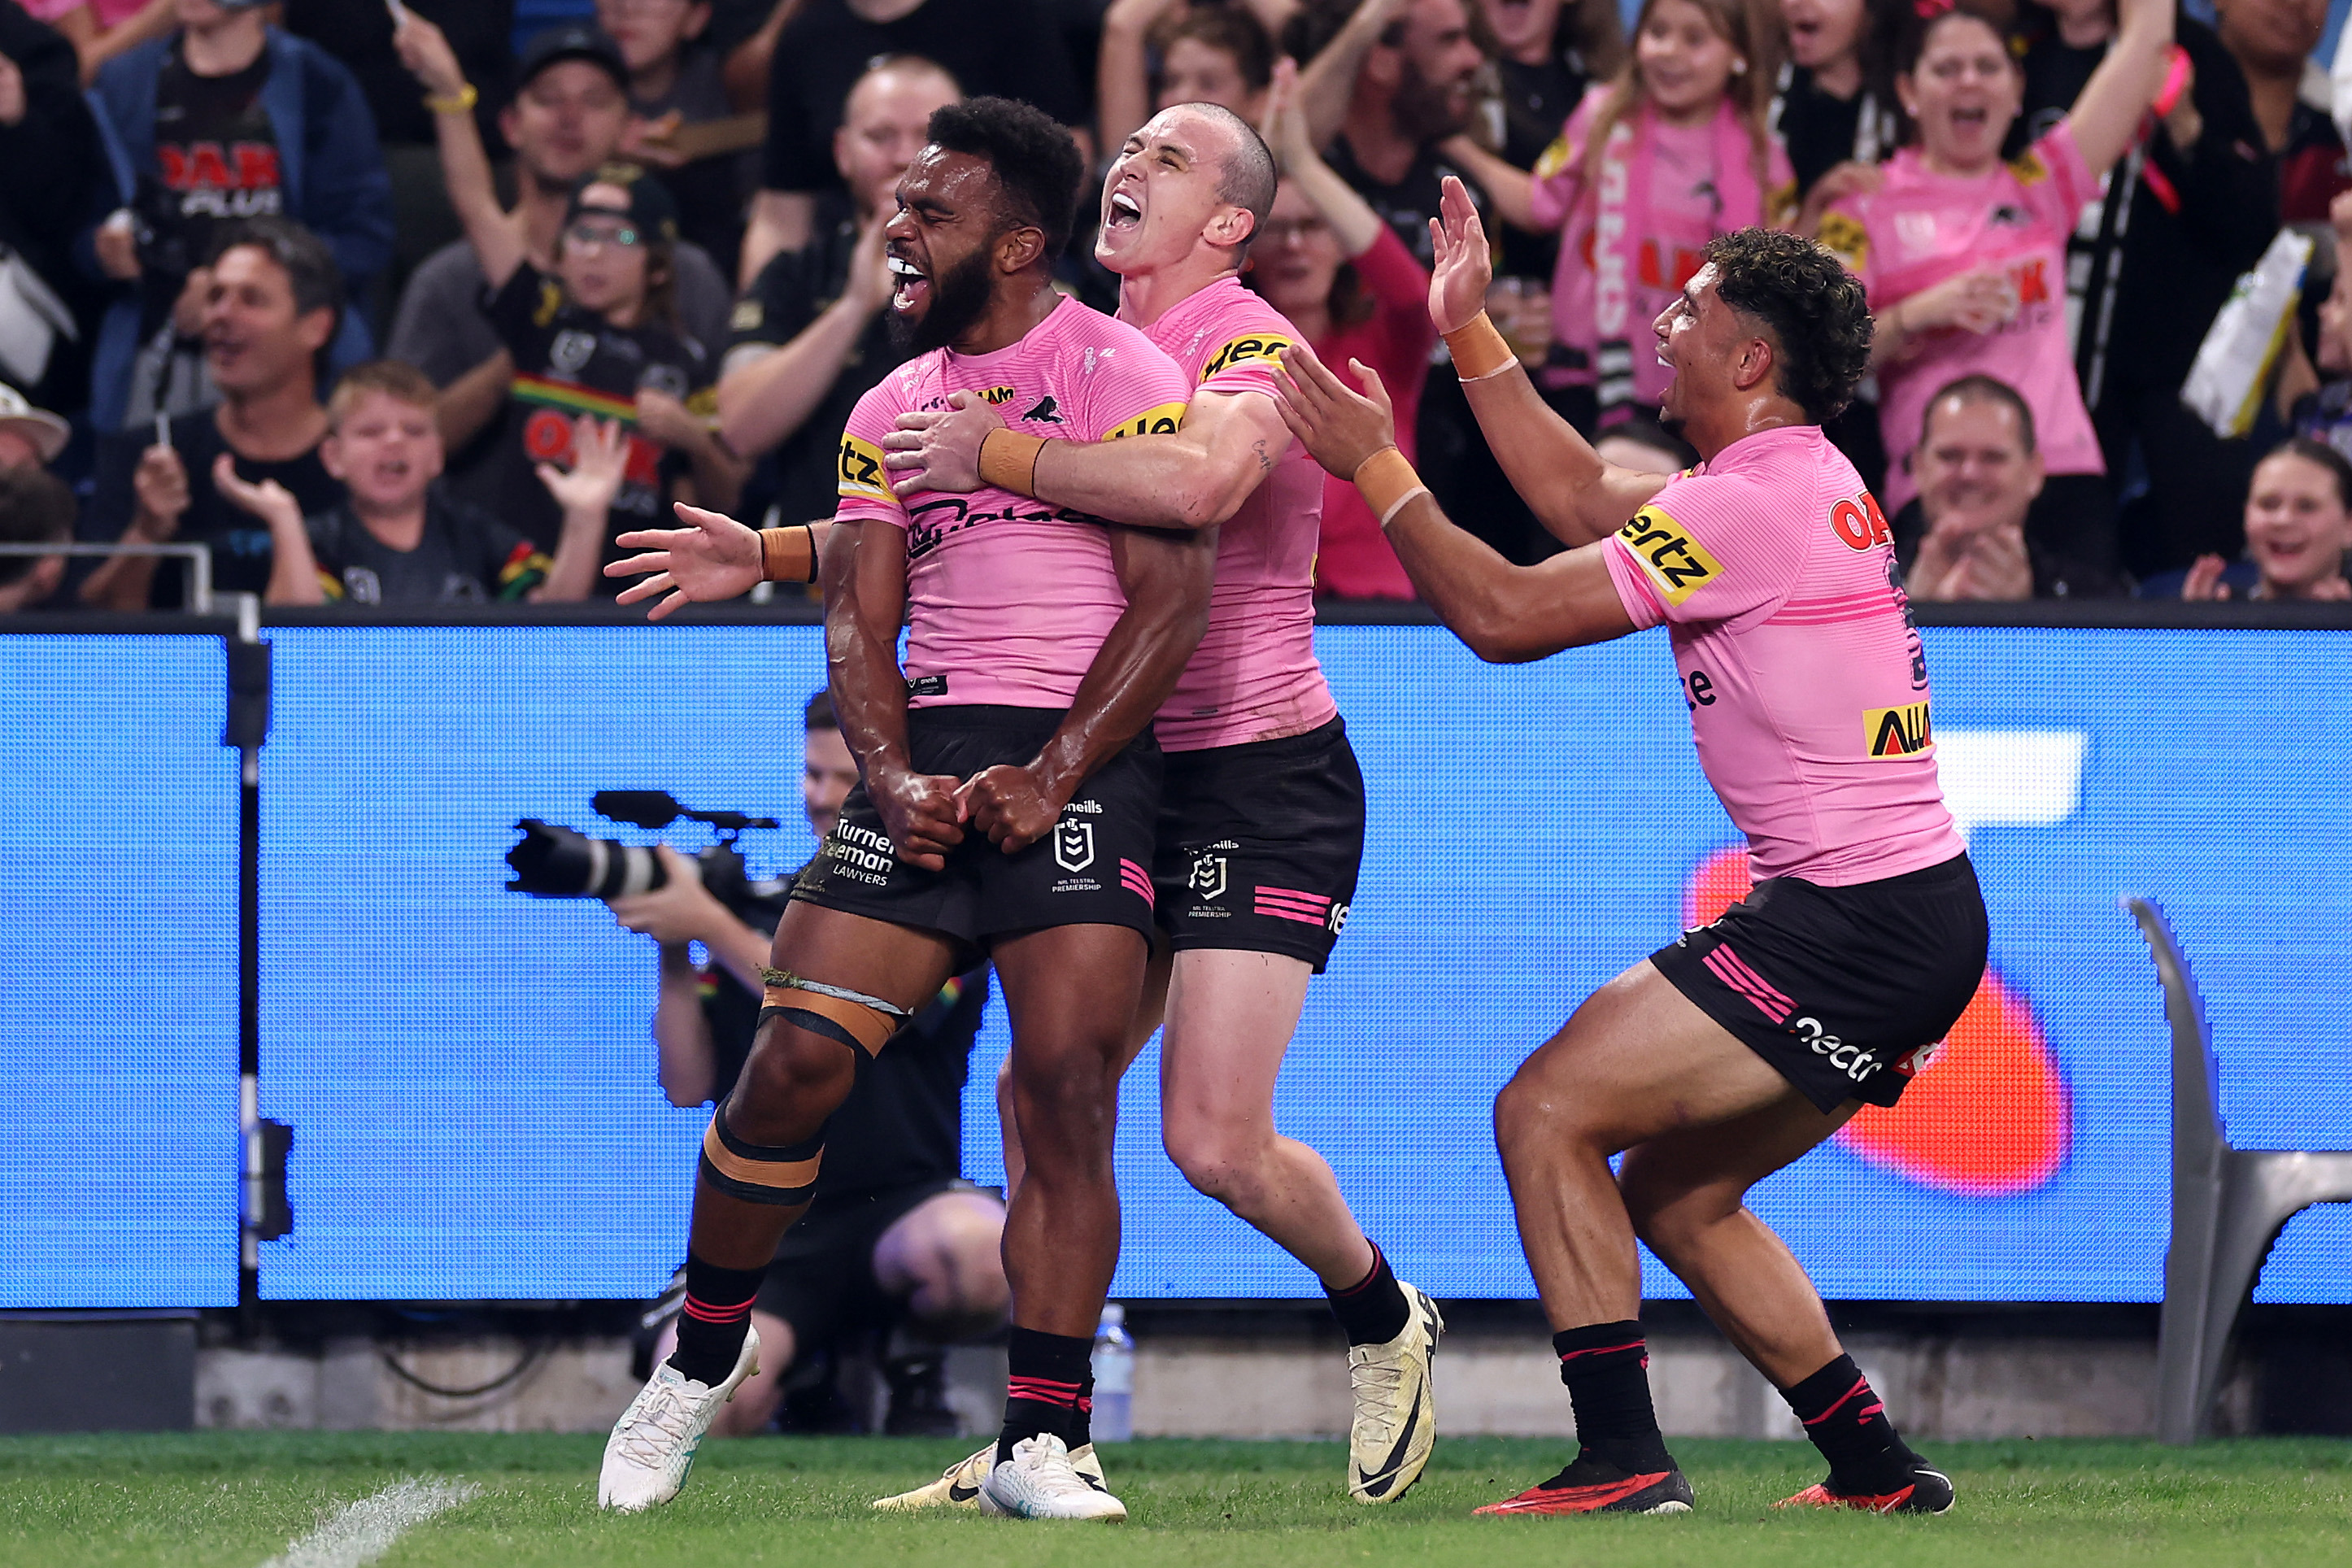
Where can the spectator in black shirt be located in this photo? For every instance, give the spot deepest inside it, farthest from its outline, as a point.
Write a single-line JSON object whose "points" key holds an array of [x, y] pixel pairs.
{"points": [[810, 336], [49, 164], [569, 117], [680, 101], [893, 1232], [2271, 40], [1549, 52], [1835, 102], [598, 334], [270, 310], [394, 539], [1011, 48], [226, 119]]}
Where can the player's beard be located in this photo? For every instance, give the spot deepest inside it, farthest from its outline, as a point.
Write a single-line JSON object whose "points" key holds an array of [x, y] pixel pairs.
{"points": [[959, 297]]}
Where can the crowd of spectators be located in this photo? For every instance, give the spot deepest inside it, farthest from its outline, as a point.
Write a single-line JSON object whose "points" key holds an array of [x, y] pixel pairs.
{"points": [[383, 303]]}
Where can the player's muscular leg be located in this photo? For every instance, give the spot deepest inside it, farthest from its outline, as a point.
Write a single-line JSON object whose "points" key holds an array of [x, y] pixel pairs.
{"points": [[1150, 1007], [944, 1257], [1687, 1192], [795, 1076], [1070, 991], [1229, 1017], [1637, 1061]]}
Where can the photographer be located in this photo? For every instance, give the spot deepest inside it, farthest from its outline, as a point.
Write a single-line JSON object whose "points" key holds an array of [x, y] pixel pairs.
{"points": [[894, 1235]]}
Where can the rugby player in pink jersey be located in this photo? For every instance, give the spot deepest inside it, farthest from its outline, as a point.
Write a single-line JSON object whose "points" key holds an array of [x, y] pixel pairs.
{"points": [[1262, 811], [1729, 1054], [1008, 787]]}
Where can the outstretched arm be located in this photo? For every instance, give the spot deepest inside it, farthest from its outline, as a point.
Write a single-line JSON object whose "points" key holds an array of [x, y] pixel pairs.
{"points": [[1578, 497], [1504, 614], [1167, 578], [2106, 114], [497, 239]]}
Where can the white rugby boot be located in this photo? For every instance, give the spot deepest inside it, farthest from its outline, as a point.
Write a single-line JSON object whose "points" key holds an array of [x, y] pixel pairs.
{"points": [[652, 1445], [1396, 1406], [1041, 1481], [959, 1484]]}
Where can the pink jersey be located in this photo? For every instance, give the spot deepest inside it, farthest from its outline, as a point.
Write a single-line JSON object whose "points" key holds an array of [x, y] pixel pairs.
{"points": [[1007, 602], [110, 14], [1683, 185], [1807, 688], [1919, 228], [1255, 676]]}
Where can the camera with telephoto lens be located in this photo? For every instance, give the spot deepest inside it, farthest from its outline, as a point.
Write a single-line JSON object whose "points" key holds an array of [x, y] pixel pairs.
{"points": [[552, 861]]}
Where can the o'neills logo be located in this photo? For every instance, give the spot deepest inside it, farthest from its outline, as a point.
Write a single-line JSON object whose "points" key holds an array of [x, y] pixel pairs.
{"points": [[1898, 731]]}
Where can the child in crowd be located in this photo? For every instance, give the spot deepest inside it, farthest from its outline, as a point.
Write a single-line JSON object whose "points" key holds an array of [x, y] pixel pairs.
{"points": [[2298, 526], [599, 337], [1833, 108], [1650, 167], [674, 83], [1326, 260], [394, 539]]}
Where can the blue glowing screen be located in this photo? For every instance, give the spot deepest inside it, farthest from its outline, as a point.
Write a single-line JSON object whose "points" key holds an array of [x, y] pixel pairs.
{"points": [[470, 1074]]}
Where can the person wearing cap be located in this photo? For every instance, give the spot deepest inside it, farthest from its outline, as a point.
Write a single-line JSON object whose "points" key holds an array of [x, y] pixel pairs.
{"points": [[30, 437], [596, 332], [225, 119], [568, 116]]}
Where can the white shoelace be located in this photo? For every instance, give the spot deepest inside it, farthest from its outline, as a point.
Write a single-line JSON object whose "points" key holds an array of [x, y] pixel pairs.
{"points": [[1049, 1470], [1378, 1378], [666, 1416]]}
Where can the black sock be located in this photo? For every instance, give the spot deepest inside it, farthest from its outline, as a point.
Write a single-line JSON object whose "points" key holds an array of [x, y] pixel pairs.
{"points": [[1607, 1369], [1050, 1387], [714, 1320], [1847, 1422], [1372, 1310]]}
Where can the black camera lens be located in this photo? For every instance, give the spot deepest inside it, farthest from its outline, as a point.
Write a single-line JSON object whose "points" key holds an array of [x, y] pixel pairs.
{"points": [[552, 861]]}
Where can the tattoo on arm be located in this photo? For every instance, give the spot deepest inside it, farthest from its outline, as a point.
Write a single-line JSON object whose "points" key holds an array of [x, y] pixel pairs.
{"points": [[1265, 458]]}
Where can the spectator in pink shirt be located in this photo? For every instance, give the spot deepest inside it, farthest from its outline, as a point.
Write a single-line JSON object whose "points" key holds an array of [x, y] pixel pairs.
{"points": [[1326, 260], [1964, 256], [101, 29]]}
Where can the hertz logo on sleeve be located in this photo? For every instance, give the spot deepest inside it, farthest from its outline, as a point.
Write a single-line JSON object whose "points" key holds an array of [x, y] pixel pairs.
{"points": [[861, 472], [1164, 420], [1674, 561], [1902, 731], [1242, 350]]}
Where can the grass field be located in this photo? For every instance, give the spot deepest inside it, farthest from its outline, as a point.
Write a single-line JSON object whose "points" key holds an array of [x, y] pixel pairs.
{"points": [[238, 1500]]}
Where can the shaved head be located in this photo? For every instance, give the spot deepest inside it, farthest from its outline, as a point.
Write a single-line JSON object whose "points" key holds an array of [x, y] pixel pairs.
{"points": [[1245, 172]]}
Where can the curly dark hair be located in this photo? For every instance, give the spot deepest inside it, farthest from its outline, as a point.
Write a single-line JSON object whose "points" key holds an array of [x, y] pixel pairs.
{"points": [[1037, 163], [1814, 308]]}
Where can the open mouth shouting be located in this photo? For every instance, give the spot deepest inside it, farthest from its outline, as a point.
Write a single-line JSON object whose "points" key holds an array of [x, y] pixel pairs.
{"points": [[1121, 211], [909, 286]]}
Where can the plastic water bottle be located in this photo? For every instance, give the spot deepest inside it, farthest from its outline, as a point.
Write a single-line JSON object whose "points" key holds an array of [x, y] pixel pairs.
{"points": [[1113, 1414]]}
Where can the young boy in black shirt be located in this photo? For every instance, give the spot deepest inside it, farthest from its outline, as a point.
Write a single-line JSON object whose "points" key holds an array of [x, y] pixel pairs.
{"points": [[394, 539]]}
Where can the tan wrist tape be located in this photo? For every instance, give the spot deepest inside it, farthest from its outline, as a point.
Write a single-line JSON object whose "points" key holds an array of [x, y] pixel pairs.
{"points": [[788, 554], [1008, 460], [1478, 350], [1386, 481]]}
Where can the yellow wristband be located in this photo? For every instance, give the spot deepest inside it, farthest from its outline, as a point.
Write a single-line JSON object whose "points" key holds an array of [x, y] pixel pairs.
{"points": [[1008, 460], [788, 554], [1386, 481], [461, 101], [1478, 350]]}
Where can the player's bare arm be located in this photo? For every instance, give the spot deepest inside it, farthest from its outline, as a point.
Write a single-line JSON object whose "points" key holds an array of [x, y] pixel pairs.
{"points": [[1197, 477], [1167, 578], [1505, 614], [867, 578], [714, 557], [1575, 495]]}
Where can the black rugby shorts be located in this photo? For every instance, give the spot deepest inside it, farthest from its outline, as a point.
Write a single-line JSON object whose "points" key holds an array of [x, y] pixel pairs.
{"points": [[1843, 990]]}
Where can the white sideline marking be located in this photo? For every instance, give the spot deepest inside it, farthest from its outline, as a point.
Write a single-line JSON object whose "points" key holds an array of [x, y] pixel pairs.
{"points": [[2010, 778], [360, 1532]]}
